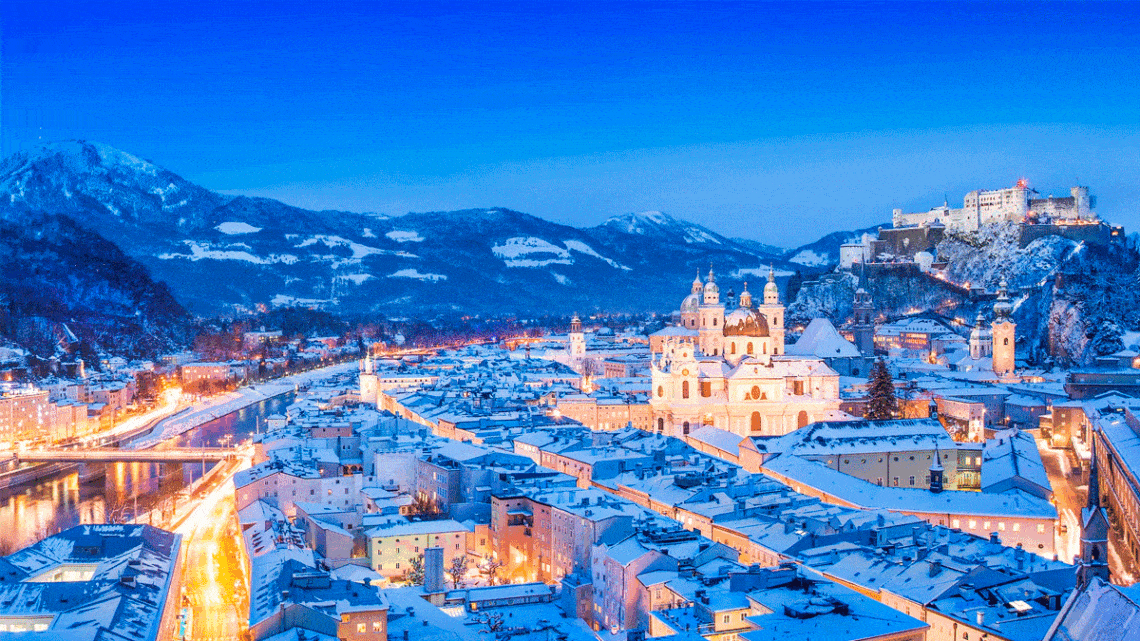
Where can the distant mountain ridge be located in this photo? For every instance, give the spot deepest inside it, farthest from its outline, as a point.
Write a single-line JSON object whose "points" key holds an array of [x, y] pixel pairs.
{"points": [[219, 253]]}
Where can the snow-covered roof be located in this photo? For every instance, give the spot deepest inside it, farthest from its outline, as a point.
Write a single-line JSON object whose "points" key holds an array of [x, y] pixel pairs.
{"points": [[822, 340]]}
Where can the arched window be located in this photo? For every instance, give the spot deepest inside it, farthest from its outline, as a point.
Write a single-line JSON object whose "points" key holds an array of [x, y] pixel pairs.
{"points": [[714, 321], [660, 425], [1005, 341], [685, 427], [685, 390], [749, 347], [776, 321], [714, 351], [802, 419], [757, 423], [765, 345], [660, 391], [733, 346], [755, 391]]}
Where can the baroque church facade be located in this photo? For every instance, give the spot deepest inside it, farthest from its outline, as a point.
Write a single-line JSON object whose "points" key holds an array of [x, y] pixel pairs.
{"points": [[725, 365]]}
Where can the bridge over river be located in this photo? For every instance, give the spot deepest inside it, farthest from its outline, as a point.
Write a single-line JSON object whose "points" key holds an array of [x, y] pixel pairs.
{"points": [[115, 455]]}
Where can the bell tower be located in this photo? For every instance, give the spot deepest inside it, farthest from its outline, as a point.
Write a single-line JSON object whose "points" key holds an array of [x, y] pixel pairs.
{"points": [[1003, 332], [773, 312], [1094, 532], [711, 331]]}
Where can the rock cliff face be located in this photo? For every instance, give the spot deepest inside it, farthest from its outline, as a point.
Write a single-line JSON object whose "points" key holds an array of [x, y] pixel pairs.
{"points": [[1072, 301]]}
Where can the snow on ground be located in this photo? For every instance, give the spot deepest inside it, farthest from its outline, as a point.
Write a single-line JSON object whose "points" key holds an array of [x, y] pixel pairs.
{"points": [[219, 406], [202, 251], [694, 234], [513, 250], [405, 236], [112, 156], [358, 251], [415, 273], [581, 247], [761, 273], [810, 258], [562, 280], [233, 229], [357, 278], [284, 300]]}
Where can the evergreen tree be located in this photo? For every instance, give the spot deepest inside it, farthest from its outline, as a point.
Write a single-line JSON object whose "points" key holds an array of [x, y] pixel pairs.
{"points": [[882, 404], [415, 573]]}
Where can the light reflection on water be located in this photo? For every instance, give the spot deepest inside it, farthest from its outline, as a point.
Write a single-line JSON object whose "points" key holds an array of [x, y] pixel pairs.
{"points": [[32, 511]]}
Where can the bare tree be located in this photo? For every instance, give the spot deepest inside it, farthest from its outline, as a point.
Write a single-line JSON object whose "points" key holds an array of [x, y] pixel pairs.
{"points": [[489, 568], [458, 571]]}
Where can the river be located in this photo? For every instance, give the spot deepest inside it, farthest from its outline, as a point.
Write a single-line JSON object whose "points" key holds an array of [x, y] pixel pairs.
{"points": [[32, 511]]}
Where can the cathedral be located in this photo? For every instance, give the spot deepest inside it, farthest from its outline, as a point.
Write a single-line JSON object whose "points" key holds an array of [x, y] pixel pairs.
{"points": [[725, 365]]}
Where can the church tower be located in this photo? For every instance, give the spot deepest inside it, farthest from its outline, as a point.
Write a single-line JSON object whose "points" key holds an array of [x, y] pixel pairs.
{"points": [[1094, 532], [1003, 332], [863, 327], [577, 346], [711, 331], [981, 340], [773, 311]]}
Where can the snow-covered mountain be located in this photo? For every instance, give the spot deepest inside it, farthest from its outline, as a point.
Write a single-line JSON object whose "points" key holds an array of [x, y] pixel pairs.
{"points": [[218, 252]]}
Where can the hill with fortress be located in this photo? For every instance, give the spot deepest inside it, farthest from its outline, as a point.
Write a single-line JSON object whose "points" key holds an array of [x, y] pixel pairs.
{"points": [[1072, 275]]}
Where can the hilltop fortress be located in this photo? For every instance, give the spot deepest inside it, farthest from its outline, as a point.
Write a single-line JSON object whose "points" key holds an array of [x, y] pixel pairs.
{"points": [[1014, 204], [912, 237]]}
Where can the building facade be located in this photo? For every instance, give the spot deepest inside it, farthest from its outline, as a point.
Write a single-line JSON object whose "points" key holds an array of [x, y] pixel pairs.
{"points": [[734, 374]]}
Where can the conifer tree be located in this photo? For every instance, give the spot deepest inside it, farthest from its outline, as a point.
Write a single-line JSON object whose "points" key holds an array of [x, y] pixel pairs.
{"points": [[881, 405]]}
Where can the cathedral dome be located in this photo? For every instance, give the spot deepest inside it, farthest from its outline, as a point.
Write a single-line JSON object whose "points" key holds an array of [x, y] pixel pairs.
{"points": [[745, 322], [691, 303]]}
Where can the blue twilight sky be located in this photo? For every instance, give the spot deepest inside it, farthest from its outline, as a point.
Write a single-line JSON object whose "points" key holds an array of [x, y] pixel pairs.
{"points": [[772, 121]]}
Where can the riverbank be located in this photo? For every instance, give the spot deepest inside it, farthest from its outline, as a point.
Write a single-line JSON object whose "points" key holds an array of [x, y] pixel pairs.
{"points": [[219, 406]]}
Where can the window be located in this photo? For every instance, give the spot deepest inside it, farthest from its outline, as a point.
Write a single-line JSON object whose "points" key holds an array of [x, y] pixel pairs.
{"points": [[660, 391], [1001, 526], [1016, 527], [973, 524], [956, 523], [361, 628], [896, 481], [1041, 528], [376, 626], [912, 481], [684, 389], [726, 618]]}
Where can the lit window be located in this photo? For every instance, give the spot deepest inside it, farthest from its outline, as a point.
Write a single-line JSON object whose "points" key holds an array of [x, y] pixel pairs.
{"points": [[361, 628], [1040, 528]]}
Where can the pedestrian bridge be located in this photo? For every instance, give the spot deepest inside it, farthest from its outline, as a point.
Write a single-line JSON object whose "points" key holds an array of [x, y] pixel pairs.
{"points": [[115, 455]]}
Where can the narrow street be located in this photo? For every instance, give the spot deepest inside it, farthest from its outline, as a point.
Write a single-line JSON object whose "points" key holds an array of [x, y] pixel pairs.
{"points": [[1069, 495], [214, 581]]}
